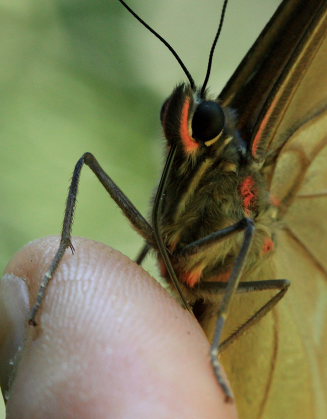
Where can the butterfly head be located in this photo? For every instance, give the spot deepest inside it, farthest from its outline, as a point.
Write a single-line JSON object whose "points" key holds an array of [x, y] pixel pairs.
{"points": [[191, 120]]}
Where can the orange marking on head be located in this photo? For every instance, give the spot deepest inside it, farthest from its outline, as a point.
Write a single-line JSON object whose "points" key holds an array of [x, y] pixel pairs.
{"points": [[248, 193], [268, 245], [190, 145]]}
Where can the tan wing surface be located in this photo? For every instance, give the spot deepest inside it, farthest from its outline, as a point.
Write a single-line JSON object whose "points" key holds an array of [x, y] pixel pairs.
{"points": [[279, 368]]}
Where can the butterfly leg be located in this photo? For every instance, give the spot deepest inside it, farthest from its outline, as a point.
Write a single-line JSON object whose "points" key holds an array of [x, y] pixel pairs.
{"points": [[207, 241], [223, 310], [136, 219], [253, 286], [142, 253], [248, 226], [234, 286]]}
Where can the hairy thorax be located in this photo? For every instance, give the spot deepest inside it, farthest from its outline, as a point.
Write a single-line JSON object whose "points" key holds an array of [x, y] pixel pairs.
{"points": [[220, 194]]}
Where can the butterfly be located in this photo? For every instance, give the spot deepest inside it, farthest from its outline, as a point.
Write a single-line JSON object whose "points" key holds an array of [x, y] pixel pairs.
{"points": [[261, 103]]}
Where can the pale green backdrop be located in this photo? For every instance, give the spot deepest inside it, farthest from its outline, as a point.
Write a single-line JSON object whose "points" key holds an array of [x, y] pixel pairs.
{"points": [[80, 76]]}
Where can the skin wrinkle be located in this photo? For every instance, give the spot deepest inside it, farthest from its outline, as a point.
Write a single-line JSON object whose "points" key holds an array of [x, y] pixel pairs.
{"points": [[94, 356]]}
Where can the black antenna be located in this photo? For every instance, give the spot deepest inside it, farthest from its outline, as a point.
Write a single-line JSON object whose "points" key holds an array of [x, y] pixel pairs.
{"points": [[222, 17], [170, 48]]}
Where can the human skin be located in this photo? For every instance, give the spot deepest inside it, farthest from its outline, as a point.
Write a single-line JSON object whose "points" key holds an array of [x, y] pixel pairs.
{"points": [[110, 342]]}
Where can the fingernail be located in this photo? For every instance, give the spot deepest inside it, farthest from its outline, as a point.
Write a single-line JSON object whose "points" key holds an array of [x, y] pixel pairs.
{"points": [[14, 312]]}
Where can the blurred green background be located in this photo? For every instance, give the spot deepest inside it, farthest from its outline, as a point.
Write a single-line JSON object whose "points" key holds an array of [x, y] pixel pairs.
{"points": [[80, 76]]}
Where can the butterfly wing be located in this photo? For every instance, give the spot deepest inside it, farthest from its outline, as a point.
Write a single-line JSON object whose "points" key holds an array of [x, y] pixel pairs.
{"points": [[279, 366]]}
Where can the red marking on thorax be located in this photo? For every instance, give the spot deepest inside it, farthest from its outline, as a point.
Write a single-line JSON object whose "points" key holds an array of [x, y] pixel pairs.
{"points": [[248, 193], [268, 245], [192, 278], [190, 145]]}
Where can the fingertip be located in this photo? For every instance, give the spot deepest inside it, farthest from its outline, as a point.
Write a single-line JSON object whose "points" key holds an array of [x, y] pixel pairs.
{"points": [[111, 342]]}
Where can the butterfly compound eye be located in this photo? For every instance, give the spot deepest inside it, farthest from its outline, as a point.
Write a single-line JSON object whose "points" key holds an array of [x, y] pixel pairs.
{"points": [[208, 121]]}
